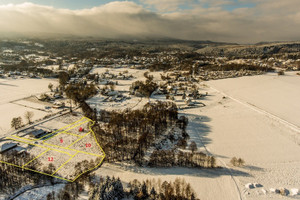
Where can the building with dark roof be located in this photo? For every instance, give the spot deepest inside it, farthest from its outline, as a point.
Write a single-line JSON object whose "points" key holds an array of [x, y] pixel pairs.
{"points": [[37, 133], [8, 146]]}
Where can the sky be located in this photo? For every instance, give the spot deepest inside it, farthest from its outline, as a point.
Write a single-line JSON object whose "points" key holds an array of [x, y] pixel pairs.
{"points": [[241, 21]]}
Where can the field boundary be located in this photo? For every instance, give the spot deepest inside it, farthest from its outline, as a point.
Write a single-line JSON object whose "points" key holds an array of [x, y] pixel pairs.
{"points": [[41, 142]]}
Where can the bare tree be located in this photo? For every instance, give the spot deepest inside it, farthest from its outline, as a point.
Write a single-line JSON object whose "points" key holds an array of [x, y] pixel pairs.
{"points": [[237, 162], [28, 116], [50, 86], [240, 162], [233, 161]]}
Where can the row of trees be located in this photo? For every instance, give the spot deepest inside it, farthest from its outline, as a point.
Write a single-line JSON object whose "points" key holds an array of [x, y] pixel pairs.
{"points": [[152, 189], [108, 188], [170, 158], [111, 188], [232, 67]]}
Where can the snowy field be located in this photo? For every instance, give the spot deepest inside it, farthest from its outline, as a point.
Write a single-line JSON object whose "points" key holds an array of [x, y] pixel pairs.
{"points": [[278, 95], [15, 89], [256, 121], [10, 111]]}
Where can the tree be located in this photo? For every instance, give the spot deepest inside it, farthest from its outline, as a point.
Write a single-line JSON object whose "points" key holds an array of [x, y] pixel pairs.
{"points": [[50, 86], [16, 122], [280, 73], [51, 168], [233, 161], [28, 116], [153, 193], [184, 96], [240, 162], [146, 74], [182, 143], [50, 196], [112, 87], [193, 146], [66, 196], [63, 78], [212, 162]]}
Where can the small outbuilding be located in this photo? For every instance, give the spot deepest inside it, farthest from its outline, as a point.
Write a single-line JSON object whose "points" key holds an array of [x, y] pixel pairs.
{"points": [[8, 146], [37, 133]]}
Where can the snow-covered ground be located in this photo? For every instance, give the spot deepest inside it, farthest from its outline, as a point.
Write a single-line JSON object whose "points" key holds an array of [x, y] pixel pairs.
{"points": [[207, 183], [123, 86], [278, 95], [255, 118], [40, 193], [9, 111], [259, 122], [14, 89], [249, 123]]}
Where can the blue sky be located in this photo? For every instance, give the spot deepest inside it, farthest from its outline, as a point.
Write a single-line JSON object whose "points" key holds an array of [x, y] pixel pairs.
{"points": [[83, 4], [70, 4]]}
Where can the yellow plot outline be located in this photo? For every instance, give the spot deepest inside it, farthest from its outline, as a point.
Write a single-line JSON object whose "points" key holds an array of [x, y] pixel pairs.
{"points": [[61, 130]]}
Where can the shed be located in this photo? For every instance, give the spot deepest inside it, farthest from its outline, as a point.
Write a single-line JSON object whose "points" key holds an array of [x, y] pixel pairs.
{"points": [[37, 133], [7, 146]]}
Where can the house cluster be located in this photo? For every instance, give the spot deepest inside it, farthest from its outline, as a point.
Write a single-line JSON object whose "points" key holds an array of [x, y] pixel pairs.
{"points": [[186, 91], [113, 96], [290, 64], [215, 75], [138, 61], [111, 76], [57, 100], [19, 75]]}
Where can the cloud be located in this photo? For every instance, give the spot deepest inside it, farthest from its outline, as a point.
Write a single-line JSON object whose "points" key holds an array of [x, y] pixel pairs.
{"points": [[267, 21], [166, 5], [215, 3]]}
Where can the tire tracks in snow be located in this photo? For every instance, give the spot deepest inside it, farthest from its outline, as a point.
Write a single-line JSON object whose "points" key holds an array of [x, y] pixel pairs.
{"points": [[223, 163], [253, 107]]}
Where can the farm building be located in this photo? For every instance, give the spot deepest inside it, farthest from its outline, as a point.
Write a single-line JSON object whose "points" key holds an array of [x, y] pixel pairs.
{"points": [[37, 133], [7, 146]]}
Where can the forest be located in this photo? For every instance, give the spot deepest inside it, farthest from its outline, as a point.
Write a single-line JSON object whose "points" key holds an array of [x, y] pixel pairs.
{"points": [[108, 188], [130, 133]]}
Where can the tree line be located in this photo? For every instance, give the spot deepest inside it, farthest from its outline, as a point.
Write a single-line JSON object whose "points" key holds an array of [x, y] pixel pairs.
{"points": [[108, 188], [170, 158]]}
